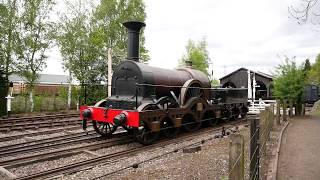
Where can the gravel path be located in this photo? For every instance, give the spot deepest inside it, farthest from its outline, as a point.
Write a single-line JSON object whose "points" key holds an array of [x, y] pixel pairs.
{"points": [[300, 150]]}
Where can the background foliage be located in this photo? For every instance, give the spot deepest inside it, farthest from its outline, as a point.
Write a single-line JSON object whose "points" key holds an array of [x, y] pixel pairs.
{"points": [[197, 53], [289, 82]]}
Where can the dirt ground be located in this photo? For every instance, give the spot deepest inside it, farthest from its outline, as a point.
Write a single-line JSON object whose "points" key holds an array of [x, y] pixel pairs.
{"points": [[300, 150]]}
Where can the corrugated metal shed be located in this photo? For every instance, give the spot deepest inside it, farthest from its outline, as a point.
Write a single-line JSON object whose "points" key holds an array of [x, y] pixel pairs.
{"points": [[43, 79]]}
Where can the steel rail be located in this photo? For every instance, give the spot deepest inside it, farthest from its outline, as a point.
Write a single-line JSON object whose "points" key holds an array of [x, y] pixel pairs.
{"points": [[51, 131], [45, 156], [32, 146]]}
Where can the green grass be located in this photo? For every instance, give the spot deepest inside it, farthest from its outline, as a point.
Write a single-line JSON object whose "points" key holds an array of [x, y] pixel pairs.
{"points": [[42, 103]]}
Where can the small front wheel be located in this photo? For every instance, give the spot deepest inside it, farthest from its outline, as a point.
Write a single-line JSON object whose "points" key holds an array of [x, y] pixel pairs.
{"points": [[105, 129]]}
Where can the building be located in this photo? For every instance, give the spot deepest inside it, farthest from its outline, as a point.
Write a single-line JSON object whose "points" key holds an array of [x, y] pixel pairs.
{"points": [[239, 79], [46, 84]]}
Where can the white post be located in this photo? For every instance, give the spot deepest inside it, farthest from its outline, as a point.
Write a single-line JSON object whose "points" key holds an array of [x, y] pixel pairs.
{"points": [[109, 71], [69, 90], [249, 86], [9, 99], [31, 101], [254, 87]]}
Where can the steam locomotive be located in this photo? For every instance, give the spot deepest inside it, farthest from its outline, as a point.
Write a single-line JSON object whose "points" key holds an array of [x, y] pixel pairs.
{"points": [[149, 101]]}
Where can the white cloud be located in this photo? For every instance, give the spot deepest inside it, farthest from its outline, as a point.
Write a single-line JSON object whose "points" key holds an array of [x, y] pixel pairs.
{"points": [[247, 33], [243, 33]]}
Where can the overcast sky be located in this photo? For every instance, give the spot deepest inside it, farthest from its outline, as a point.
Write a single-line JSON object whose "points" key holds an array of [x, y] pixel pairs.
{"points": [[247, 33]]}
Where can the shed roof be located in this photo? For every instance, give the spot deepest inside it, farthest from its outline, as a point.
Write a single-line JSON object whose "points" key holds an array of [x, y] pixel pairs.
{"points": [[257, 72], [43, 79]]}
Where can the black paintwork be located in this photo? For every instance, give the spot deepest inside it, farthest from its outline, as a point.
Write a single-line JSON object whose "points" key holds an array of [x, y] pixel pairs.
{"points": [[133, 28]]}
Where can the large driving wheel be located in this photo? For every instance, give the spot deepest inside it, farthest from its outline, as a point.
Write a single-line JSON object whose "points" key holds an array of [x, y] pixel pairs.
{"points": [[226, 114], [210, 118], [190, 89], [189, 123], [105, 129], [236, 113], [167, 128], [143, 134]]}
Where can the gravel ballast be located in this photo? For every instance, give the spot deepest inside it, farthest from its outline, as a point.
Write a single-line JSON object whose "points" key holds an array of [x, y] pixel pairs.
{"points": [[211, 161]]}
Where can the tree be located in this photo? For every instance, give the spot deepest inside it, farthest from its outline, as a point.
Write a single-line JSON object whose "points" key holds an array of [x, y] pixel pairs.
{"points": [[289, 82], [9, 35], [110, 15], [35, 40], [81, 44], [307, 10], [314, 73], [215, 82], [306, 69], [197, 53]]}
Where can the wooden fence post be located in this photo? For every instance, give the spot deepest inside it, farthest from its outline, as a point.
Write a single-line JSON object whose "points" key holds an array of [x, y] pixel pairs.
{"points": [[264, 130], [278, 113], [254, 149], [271, 118], [236, 157]]}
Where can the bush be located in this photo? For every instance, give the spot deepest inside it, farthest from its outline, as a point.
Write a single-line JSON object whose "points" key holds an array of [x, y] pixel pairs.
{"points": [[316, 108], [42, 103], [94, 93]]}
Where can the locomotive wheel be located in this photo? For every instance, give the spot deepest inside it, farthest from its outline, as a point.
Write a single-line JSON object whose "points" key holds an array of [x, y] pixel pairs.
{"points": [[236, 113], [105, 129], [226, 114], [244, 111], [167, 128], [143, 134], [210, 117], [243, 115], [189, 123]]}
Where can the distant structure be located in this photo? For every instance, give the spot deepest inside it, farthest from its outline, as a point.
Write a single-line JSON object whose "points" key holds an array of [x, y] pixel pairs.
{"points": [[47, 83], [239, 78]]}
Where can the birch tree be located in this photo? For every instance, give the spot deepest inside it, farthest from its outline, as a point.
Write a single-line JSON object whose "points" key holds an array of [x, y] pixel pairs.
{"points": [[35, 41], [314, 73]]}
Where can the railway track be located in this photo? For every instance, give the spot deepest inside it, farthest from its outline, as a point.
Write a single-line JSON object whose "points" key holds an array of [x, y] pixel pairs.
{"points": [[36, 122], [114, 157], [94, 144], [36, 145], [40, 132]]}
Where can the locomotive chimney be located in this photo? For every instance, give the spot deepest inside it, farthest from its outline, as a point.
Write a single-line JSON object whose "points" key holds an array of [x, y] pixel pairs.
{"points": [[133, 28]]}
